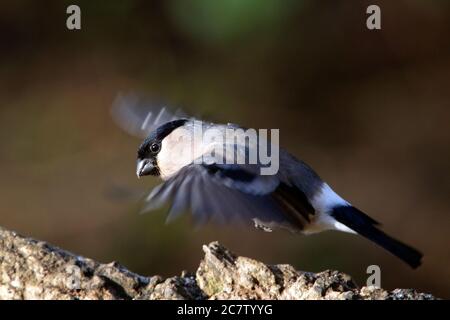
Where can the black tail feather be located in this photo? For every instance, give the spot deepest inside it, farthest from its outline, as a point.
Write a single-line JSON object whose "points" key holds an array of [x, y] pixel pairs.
{"points": [[365, 226]]}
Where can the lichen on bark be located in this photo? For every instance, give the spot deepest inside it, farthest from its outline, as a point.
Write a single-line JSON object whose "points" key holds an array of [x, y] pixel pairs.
{"points": [[31, 269]]}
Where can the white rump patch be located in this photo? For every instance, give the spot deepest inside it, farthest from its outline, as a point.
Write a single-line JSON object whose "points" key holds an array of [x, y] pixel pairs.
{"points": [[325, 200]]}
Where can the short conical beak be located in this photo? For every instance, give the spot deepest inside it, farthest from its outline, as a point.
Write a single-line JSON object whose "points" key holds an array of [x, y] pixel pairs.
{"points": [[144, 167]]}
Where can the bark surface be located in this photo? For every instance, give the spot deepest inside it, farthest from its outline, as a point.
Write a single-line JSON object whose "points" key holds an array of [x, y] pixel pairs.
{"points": [[31, 269]]}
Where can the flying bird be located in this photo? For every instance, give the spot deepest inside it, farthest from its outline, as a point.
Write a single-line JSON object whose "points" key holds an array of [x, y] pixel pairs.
{"points": [[295, 198]]}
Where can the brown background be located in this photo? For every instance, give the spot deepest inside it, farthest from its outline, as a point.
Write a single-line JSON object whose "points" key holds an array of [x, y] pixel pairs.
{"points": [[369, 110]]}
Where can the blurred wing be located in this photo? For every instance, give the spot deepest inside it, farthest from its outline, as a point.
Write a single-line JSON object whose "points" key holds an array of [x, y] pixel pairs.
{"points": [[138, 117], [226, 195]]}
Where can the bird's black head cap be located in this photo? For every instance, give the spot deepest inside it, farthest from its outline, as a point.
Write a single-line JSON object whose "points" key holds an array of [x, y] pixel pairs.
{"points": [[151, 146]]}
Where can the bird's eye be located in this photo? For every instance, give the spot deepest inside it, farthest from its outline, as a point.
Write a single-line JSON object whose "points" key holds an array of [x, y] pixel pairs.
{"points": [[155, 147]]}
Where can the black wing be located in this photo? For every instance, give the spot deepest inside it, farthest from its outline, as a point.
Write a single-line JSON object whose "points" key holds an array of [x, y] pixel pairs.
{"points": [[231, 194]]}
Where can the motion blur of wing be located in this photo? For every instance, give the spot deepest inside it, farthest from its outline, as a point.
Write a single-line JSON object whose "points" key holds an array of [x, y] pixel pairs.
{"points": [[139, 117]]}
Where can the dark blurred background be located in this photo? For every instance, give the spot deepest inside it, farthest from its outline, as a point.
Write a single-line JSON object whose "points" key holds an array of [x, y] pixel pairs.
{"points": [[369, 110]]}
